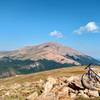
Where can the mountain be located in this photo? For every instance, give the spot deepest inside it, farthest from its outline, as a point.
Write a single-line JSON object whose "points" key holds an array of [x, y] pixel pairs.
{"points": [[41, 57]]}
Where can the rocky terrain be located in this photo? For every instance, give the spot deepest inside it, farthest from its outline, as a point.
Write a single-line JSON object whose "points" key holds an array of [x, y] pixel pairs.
{"points": [[60, 84], [41, 57]]}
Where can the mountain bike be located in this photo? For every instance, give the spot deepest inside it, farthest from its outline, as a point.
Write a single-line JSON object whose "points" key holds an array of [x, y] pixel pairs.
{"points": [[90, 79]]}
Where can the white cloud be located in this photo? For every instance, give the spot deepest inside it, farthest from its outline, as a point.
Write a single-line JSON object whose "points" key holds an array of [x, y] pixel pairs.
{"points": [[90, 27], [56, 34]]}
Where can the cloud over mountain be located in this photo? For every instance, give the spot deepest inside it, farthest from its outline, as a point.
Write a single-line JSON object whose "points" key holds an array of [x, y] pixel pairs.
{"points": [[90, 27], [56, 34]]}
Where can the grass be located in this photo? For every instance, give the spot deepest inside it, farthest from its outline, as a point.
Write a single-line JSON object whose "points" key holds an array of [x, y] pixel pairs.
{"points": [[69, 71], [81, 98], [42, 75]]}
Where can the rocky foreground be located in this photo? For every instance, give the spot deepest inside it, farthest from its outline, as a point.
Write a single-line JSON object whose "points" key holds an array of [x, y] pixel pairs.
{"points": [[53, 88]]}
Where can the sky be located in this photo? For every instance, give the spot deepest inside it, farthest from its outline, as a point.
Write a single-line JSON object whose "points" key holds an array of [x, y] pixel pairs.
{"points": [[74, 23]]}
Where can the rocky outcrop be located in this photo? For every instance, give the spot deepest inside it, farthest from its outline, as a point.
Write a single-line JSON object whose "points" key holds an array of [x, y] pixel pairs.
{"points": [[59, 88], [62, 88]]}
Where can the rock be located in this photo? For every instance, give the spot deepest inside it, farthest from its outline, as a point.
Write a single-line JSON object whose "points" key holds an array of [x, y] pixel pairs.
{"points": [[56, 89], [73, 78], [75, 83], [2, 87], [60, 88], [71, 90], [62, 81], [75, 86], [82, 93], [15, 86], [63, 96], [49, 85], [32, 96], [93, 93], [73, 95], [7, 93], [86, 91], [49, 96], [66, 90], [41, 81], [26, 84]]}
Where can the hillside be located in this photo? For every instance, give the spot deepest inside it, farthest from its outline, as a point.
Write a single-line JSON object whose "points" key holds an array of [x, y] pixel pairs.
{"points": [[41, 57]]}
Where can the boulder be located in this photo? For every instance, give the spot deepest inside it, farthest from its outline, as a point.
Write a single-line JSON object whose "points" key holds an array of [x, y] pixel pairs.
{"points": [[83, 94], [93, 93], [75, 83], [32, 96], [49, 85]]}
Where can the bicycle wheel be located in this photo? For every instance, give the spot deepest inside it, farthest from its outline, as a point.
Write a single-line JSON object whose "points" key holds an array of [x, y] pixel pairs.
{"points": [[87, 83]]}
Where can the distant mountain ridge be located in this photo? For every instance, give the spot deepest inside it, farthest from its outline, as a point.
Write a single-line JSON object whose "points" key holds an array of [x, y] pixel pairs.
{"points": [[41, 57]]}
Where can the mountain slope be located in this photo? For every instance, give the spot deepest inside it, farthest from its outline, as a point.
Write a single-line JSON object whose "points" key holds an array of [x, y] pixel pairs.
{"points": [[41, 57]]}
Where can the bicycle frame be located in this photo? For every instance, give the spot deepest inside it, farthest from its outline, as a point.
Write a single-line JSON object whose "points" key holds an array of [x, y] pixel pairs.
{"points": [[90, 79], [90, 73]]}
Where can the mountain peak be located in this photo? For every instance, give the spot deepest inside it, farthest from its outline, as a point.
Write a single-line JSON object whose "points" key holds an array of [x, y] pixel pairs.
{"points": [[51, 44], [42, 57]]}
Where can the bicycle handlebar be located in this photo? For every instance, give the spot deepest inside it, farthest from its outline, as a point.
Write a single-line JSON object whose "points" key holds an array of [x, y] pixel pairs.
{"points": [[88, 66]]}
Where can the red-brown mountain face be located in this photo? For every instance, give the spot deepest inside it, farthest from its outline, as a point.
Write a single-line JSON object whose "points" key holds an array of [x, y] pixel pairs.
{"points": [[41, 57]]}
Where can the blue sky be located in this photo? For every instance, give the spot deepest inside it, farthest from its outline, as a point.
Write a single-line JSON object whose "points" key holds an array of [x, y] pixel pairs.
{"points": [[74, 23]]}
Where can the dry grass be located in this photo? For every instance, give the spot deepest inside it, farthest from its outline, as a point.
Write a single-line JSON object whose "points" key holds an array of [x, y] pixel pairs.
{"points": [[81, 98], [71, 71]]}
